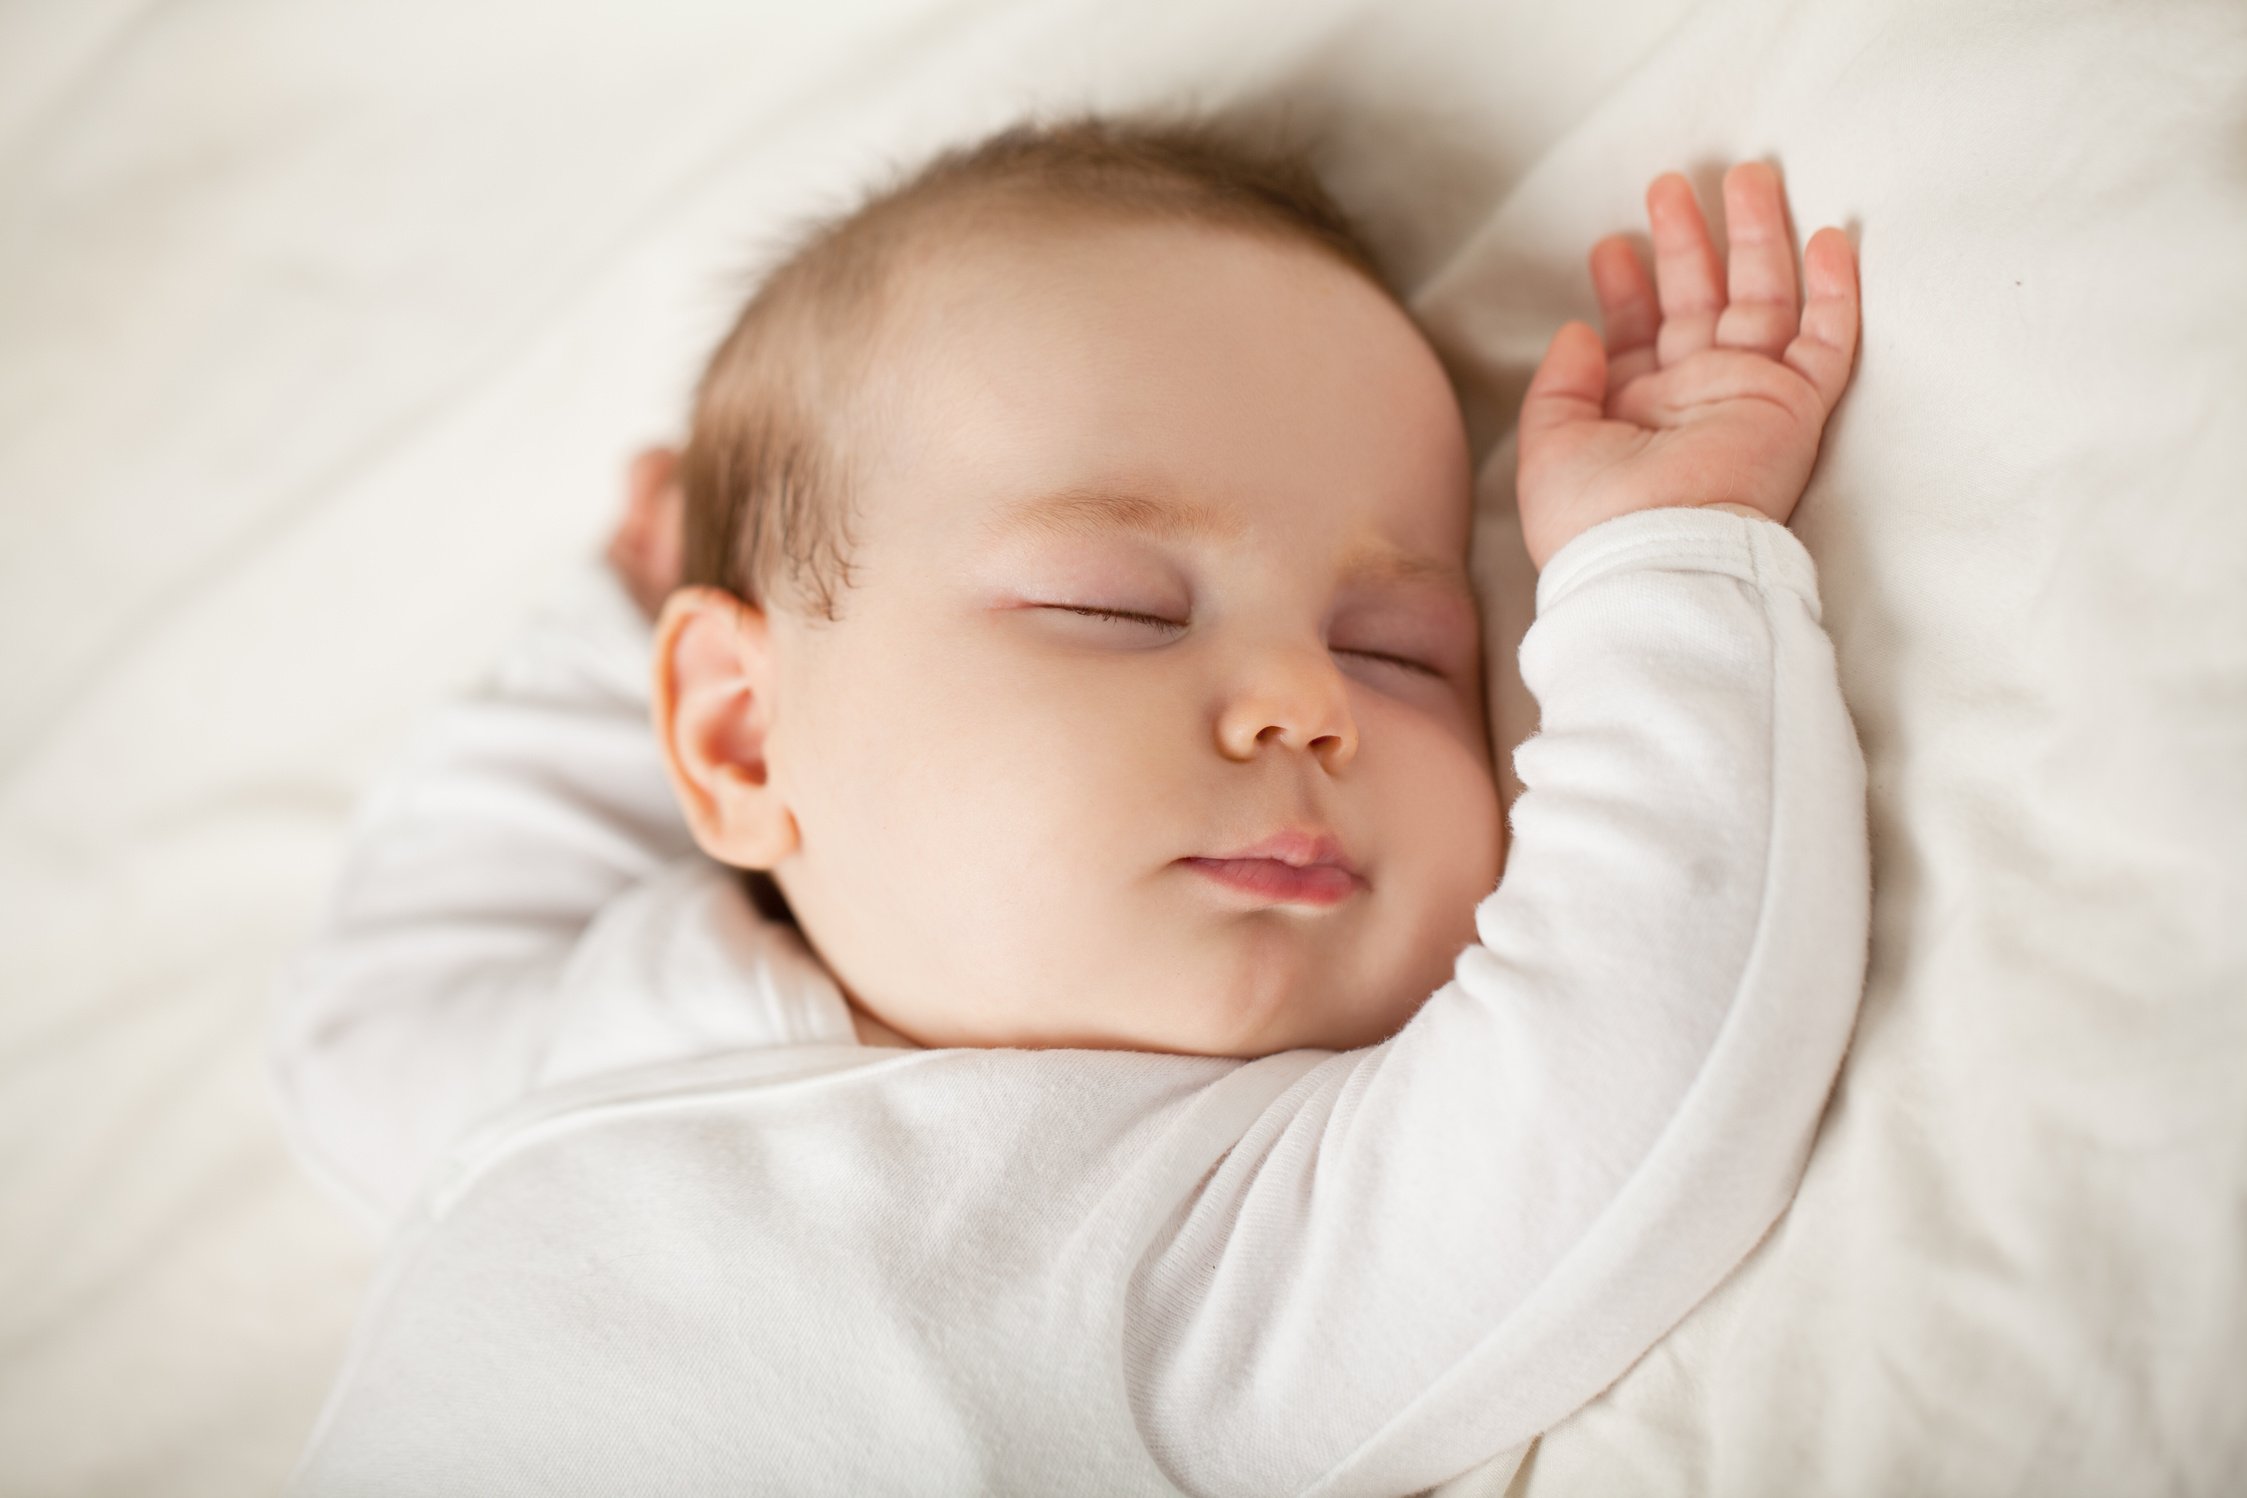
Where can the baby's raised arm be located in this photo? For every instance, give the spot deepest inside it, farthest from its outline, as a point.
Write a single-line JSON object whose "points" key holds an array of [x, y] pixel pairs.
{"points": [[522, 903], [1478, 1225]]}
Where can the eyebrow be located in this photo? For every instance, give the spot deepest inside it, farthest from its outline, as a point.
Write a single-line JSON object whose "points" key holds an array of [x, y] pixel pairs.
{"points": [[1098, 512]]}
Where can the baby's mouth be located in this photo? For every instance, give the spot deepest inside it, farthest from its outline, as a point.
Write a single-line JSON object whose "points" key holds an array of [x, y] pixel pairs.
{"points": [[1275, 881]]}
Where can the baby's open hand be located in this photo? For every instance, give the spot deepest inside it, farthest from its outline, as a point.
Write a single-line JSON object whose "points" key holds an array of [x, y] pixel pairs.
{"points": [[1703, 397]]}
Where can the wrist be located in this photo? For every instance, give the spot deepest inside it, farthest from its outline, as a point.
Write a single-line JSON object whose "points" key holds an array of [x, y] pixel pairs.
{"points": [[1674, 538]]}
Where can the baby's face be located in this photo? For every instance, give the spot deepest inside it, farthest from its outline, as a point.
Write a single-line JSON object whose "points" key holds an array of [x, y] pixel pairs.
{"points": [[1159, 557]]}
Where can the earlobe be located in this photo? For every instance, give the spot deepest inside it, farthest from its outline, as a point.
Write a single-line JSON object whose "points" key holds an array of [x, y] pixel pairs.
{"points": [[712, 705]]}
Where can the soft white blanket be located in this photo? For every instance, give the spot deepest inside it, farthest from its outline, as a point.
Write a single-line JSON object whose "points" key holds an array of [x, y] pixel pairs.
{"points": [[325, 328]]}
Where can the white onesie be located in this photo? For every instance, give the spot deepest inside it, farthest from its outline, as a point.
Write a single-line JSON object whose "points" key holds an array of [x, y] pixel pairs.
{"points": [[659, 1224]]}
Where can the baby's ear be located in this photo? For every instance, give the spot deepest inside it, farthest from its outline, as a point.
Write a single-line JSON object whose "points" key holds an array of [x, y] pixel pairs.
{"points": [[712, 705]]}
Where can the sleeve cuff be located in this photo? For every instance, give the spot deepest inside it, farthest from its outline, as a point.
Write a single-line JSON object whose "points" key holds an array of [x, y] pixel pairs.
{"points": [[1762, 553]]}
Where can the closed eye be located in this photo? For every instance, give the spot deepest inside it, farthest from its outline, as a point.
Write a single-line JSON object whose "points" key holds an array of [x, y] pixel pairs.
{"points": [[1123, 614], [1392, 660], [1156, 621]]}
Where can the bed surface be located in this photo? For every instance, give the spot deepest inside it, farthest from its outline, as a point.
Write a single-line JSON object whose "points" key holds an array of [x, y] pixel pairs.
{"points": [[325, 331]]}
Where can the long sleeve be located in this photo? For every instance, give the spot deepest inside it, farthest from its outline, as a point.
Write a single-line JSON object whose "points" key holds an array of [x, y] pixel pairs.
{"points": [[521, 904], [1430, 1250]]}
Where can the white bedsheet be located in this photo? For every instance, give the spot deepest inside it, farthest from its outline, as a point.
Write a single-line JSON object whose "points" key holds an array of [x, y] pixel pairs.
{"points": [[324, 332]]}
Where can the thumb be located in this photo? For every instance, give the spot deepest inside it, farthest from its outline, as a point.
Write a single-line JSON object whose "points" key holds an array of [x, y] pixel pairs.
{"points": [[1571, 382]]}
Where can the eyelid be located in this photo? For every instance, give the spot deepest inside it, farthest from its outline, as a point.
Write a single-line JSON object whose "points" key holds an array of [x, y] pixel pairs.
{"points": [[1402, 662], [1085, 608], [1422, 667]]}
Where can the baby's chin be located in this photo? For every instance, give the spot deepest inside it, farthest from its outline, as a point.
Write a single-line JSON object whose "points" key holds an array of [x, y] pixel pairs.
{"points": [[1240, 989], [1308, 1003]]}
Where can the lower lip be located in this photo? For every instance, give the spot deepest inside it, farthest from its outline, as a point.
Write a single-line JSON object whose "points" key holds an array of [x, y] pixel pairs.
{"points": [[1318, 884]]}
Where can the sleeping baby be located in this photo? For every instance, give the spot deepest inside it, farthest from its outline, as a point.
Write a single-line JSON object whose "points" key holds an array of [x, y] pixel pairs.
{"points": [[1041, 1012]]}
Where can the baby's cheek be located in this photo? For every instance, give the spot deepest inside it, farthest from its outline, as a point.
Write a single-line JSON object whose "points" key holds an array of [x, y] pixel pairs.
{"points": [[1459, 829]]}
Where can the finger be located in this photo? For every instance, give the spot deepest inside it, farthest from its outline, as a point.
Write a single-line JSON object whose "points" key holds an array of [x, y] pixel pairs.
{"points": [[652, 472], [1686, 269], [1570, 384], [1759, 312], [1823, 351], [1627, 310]]}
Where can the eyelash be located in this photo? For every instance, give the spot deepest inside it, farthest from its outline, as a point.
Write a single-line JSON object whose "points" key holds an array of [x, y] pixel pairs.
{"points": [[1160, 623]]}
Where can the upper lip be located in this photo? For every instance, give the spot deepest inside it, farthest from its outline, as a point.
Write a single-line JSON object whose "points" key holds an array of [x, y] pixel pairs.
{"points": [[1298, 849]]}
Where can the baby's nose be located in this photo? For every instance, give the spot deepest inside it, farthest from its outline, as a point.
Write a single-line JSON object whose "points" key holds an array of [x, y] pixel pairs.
{"points": [[1293, 699]]}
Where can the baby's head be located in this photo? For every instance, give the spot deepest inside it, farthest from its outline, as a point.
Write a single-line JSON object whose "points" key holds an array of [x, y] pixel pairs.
{"points": [[1077, 516]]}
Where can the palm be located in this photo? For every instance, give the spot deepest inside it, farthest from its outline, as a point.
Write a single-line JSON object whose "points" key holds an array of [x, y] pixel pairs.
{"points": [[1700, 397]]}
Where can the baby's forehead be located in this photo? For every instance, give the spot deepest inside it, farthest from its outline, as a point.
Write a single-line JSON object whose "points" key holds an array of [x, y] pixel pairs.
{"points": [[1042, 287], [1002, 249], [1163, 379], [988, 351]]}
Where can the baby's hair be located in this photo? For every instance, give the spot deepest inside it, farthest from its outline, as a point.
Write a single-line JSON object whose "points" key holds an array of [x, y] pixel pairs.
{"points": [[766, 470]]}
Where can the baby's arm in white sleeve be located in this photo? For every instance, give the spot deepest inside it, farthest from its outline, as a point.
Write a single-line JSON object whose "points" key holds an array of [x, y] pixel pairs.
{"points": [[521, 903], [1437, 1247]]}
